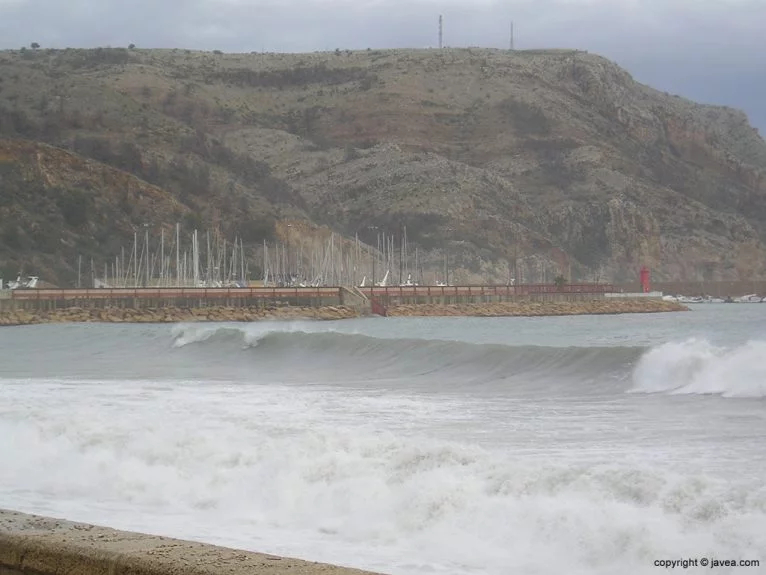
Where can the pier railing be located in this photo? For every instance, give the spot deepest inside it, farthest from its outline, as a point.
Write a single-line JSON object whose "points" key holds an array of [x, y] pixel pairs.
{"points": [[510, 290], [175, 293], [307, 292]]}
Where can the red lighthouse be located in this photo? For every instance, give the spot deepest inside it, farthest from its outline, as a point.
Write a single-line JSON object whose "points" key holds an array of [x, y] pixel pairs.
{"points": [[645, 279]]}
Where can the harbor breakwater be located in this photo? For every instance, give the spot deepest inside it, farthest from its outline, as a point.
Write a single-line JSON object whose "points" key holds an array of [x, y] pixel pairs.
{"points": [[35, 545], [538, 308], [174, 314], [168, 314]]}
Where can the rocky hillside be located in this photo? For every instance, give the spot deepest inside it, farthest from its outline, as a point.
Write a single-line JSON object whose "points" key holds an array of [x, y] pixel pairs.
{"points": [[548, 162]]}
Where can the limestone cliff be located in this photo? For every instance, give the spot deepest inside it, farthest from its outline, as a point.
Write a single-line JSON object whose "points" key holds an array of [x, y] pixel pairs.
{"points": [[544, 162]]}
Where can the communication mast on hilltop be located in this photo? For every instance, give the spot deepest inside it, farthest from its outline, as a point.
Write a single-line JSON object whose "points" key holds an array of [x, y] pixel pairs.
{"points": [[441, 31], [511, 35]]}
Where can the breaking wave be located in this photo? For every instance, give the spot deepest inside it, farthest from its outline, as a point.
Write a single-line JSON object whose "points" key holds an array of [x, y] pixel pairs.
{"points": [[402, 505], [686, 367], [697, 367], [312, 343]]}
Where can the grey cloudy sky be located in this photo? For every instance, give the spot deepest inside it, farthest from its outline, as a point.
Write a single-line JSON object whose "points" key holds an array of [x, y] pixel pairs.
{"points": [[709, 50]]}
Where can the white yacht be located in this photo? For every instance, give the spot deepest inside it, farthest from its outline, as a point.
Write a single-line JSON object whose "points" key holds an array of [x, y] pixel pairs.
{"points": [[750, 298], [29, 283]]}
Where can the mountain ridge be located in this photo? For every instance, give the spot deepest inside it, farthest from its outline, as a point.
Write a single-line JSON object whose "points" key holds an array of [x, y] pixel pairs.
{"points": [[527, 164]]}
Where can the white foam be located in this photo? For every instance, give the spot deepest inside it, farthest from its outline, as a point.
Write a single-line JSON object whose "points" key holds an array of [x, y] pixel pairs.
{"points": [[698, 367], [275, 469], [251, 333]]}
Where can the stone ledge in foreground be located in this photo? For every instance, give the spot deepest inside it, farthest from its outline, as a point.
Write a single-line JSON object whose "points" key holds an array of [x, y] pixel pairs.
{"points": [[532, 309], [35, 545]]}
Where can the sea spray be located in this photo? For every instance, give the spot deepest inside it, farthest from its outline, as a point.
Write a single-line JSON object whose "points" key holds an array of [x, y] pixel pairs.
{"points": [[696, 366], [240, 474]]}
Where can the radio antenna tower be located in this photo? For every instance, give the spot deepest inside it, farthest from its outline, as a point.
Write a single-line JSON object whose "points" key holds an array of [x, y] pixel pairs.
{"points": [[511, 35], [441, 31]]}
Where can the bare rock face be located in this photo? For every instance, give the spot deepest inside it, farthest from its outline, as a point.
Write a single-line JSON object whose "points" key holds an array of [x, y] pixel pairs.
{"points": [[530, 163]]}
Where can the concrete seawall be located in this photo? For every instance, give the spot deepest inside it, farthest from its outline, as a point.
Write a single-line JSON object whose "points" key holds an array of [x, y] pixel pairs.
{"points": [[171, 305], [601, 306], [35, 545], [538, 308], [242, 314], [174, 315], [47, 300]]}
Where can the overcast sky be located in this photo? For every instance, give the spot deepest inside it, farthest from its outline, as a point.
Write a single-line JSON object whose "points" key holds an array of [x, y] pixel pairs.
{"points": [[711, 51]]}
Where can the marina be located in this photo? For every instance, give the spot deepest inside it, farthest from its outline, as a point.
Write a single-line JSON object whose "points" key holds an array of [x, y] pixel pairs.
{"points": [[367, 301], [210, 260]]}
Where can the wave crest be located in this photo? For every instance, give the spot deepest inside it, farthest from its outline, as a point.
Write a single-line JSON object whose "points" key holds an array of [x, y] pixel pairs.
{"points": [[467, 362], [696, 366], [188, 334]]}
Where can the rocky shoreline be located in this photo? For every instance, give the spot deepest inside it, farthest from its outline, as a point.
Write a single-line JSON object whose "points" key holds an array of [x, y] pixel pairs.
{"points": [[328, 313], [174, 314], [532, 308]]}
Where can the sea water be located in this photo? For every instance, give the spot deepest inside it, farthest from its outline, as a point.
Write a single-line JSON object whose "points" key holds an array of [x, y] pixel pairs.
{"points": [[577, 445]]}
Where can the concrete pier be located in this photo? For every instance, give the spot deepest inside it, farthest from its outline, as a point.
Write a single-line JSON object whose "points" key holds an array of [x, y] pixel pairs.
{"points": [[315, 297], [182, 298], [171, 305], [35, 545]]}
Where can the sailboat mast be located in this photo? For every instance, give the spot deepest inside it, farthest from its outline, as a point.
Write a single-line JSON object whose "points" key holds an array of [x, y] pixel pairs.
{"points": [[418, 274], [146, 249], [242, 262], [195, 258], [135, 258], [178, 254], [401, 260], [208, 270], [406, 263], [162, 257]]}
